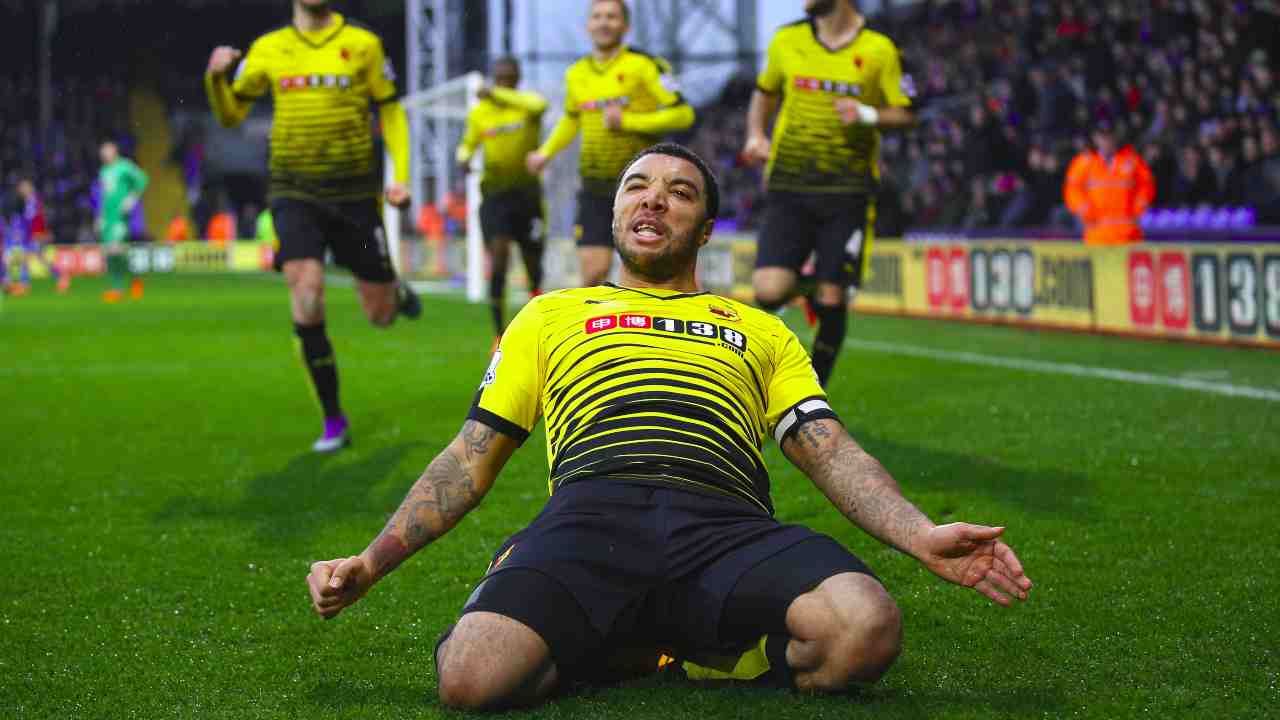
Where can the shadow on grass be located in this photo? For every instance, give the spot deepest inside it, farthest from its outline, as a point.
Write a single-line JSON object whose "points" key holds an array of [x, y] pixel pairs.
{"points": [[714, 699], [346, 695], [1036, 492], [286, 506]]}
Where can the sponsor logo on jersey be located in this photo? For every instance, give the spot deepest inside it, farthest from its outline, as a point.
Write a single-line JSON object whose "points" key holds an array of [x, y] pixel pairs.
{"points": [[601, 104], [727, 336], [835, 87], [290, 83], [503, 129]]}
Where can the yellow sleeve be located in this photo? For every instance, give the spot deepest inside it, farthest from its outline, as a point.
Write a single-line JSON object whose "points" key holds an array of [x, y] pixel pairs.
{"points": [[510, 396], [382, 76], [791, 388], [771, 78], [530, 102], [231, 101], [395, 134], [563, 134], [673, 115], [892, 84], [395, 123], [470, 139]]}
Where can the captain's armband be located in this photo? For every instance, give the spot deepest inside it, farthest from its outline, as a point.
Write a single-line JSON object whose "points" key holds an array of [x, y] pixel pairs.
{"points": [[801, 413]]}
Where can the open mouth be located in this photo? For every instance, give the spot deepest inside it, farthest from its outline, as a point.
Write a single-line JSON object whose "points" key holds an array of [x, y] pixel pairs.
{"points": [[648, 229]]}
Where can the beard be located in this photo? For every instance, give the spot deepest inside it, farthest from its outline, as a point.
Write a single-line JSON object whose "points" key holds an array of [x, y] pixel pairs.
{"points": [[677, 257], [316, 6], [820, 8]]}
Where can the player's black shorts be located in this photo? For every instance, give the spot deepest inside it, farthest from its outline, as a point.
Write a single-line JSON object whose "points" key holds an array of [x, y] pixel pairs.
{"points": [[351, 230], [594, 224], [838, 227], [515, 213], [608, 565]]}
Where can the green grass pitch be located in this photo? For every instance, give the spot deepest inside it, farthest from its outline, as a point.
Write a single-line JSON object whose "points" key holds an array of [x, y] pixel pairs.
{"points": [[161, 509]]}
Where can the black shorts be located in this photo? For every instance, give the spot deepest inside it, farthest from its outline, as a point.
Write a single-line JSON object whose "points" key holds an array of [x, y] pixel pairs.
{"points": [[351, 230], [594, 224], [608, 565], [839, 228], [515, 213]]}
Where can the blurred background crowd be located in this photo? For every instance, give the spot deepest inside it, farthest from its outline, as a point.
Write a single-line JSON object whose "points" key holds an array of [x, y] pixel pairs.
{"points": [[1009, 92], [1011, 89]]}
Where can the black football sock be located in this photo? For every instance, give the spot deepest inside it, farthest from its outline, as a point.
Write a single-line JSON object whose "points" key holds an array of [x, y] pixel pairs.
{"points": [[317, 355], [833, 323], [498, 297], [532, 255]]}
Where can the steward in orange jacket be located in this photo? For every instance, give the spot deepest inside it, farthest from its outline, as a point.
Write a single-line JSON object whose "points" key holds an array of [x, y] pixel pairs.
{"points": [[1109, 190]]}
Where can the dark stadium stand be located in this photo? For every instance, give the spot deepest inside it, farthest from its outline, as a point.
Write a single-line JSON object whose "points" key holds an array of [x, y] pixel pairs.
{"points": [[62, 159], [1010, 90]]}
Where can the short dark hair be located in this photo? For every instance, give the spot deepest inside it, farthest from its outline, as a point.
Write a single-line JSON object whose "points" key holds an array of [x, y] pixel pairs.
{"points": [[506, 60], [684, 153], [626, 11]]}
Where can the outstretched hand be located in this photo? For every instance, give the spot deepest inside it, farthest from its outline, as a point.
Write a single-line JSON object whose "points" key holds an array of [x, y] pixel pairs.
{"points": [[973, 556], [337, 584]]}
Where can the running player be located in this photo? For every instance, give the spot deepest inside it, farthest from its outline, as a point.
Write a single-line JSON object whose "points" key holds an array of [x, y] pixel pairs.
{"points": [[27, 235], [122, 183], [837, 83], [622, 100], [659, 533], [324, 72], [507, 123]]}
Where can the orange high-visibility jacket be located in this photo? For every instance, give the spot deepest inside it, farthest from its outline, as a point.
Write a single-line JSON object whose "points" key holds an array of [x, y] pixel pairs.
{"points": [[1109, 197]]}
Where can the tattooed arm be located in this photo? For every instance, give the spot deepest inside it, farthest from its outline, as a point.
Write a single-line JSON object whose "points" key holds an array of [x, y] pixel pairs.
{"points": [[451, 486], [856, 483], [859, 486]]}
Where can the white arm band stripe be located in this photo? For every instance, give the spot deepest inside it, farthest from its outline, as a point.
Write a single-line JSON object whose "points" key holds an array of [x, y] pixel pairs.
{"points": [[791, 418]]}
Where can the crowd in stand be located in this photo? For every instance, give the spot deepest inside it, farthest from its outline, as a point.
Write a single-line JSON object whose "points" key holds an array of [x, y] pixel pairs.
{"points": [[1009, 91], [62, 159]]}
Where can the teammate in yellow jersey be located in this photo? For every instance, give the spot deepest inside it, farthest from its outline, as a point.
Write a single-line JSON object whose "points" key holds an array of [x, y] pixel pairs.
{"points": [[323, 72], [622, 100], [838, 84], [507, 124], [659, 537]]}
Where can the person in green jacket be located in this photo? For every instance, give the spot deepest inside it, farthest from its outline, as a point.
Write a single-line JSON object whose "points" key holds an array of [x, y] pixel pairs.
{"points": [[123, 183]]}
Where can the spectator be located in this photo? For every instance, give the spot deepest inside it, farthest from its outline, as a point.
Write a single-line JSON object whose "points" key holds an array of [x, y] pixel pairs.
{"points": [[1192, 184], [179, 230], [222, 228], [1108, 188]]}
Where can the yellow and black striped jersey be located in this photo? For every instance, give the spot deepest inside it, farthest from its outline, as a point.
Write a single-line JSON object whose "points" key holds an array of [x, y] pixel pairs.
{"points": [[508, 125], [651, 386], [812, 151], [323, 84], [642, 85]]}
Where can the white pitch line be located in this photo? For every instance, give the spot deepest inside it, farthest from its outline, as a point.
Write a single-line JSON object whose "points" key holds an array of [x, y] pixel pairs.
{"points": [[1054, 368]]}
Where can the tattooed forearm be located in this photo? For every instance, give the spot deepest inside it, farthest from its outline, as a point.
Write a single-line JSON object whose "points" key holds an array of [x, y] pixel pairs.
{"points": [[857, 484], [447, 490], [477, 438]]}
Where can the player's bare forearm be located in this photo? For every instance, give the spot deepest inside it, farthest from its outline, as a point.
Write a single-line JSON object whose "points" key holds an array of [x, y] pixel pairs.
{"points": [[760, 113], [896, 118], [857, 484], [451, 486]]}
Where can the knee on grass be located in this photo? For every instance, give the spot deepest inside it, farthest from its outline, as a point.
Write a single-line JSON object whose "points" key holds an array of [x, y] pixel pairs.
{"points": [[856, 641]]}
